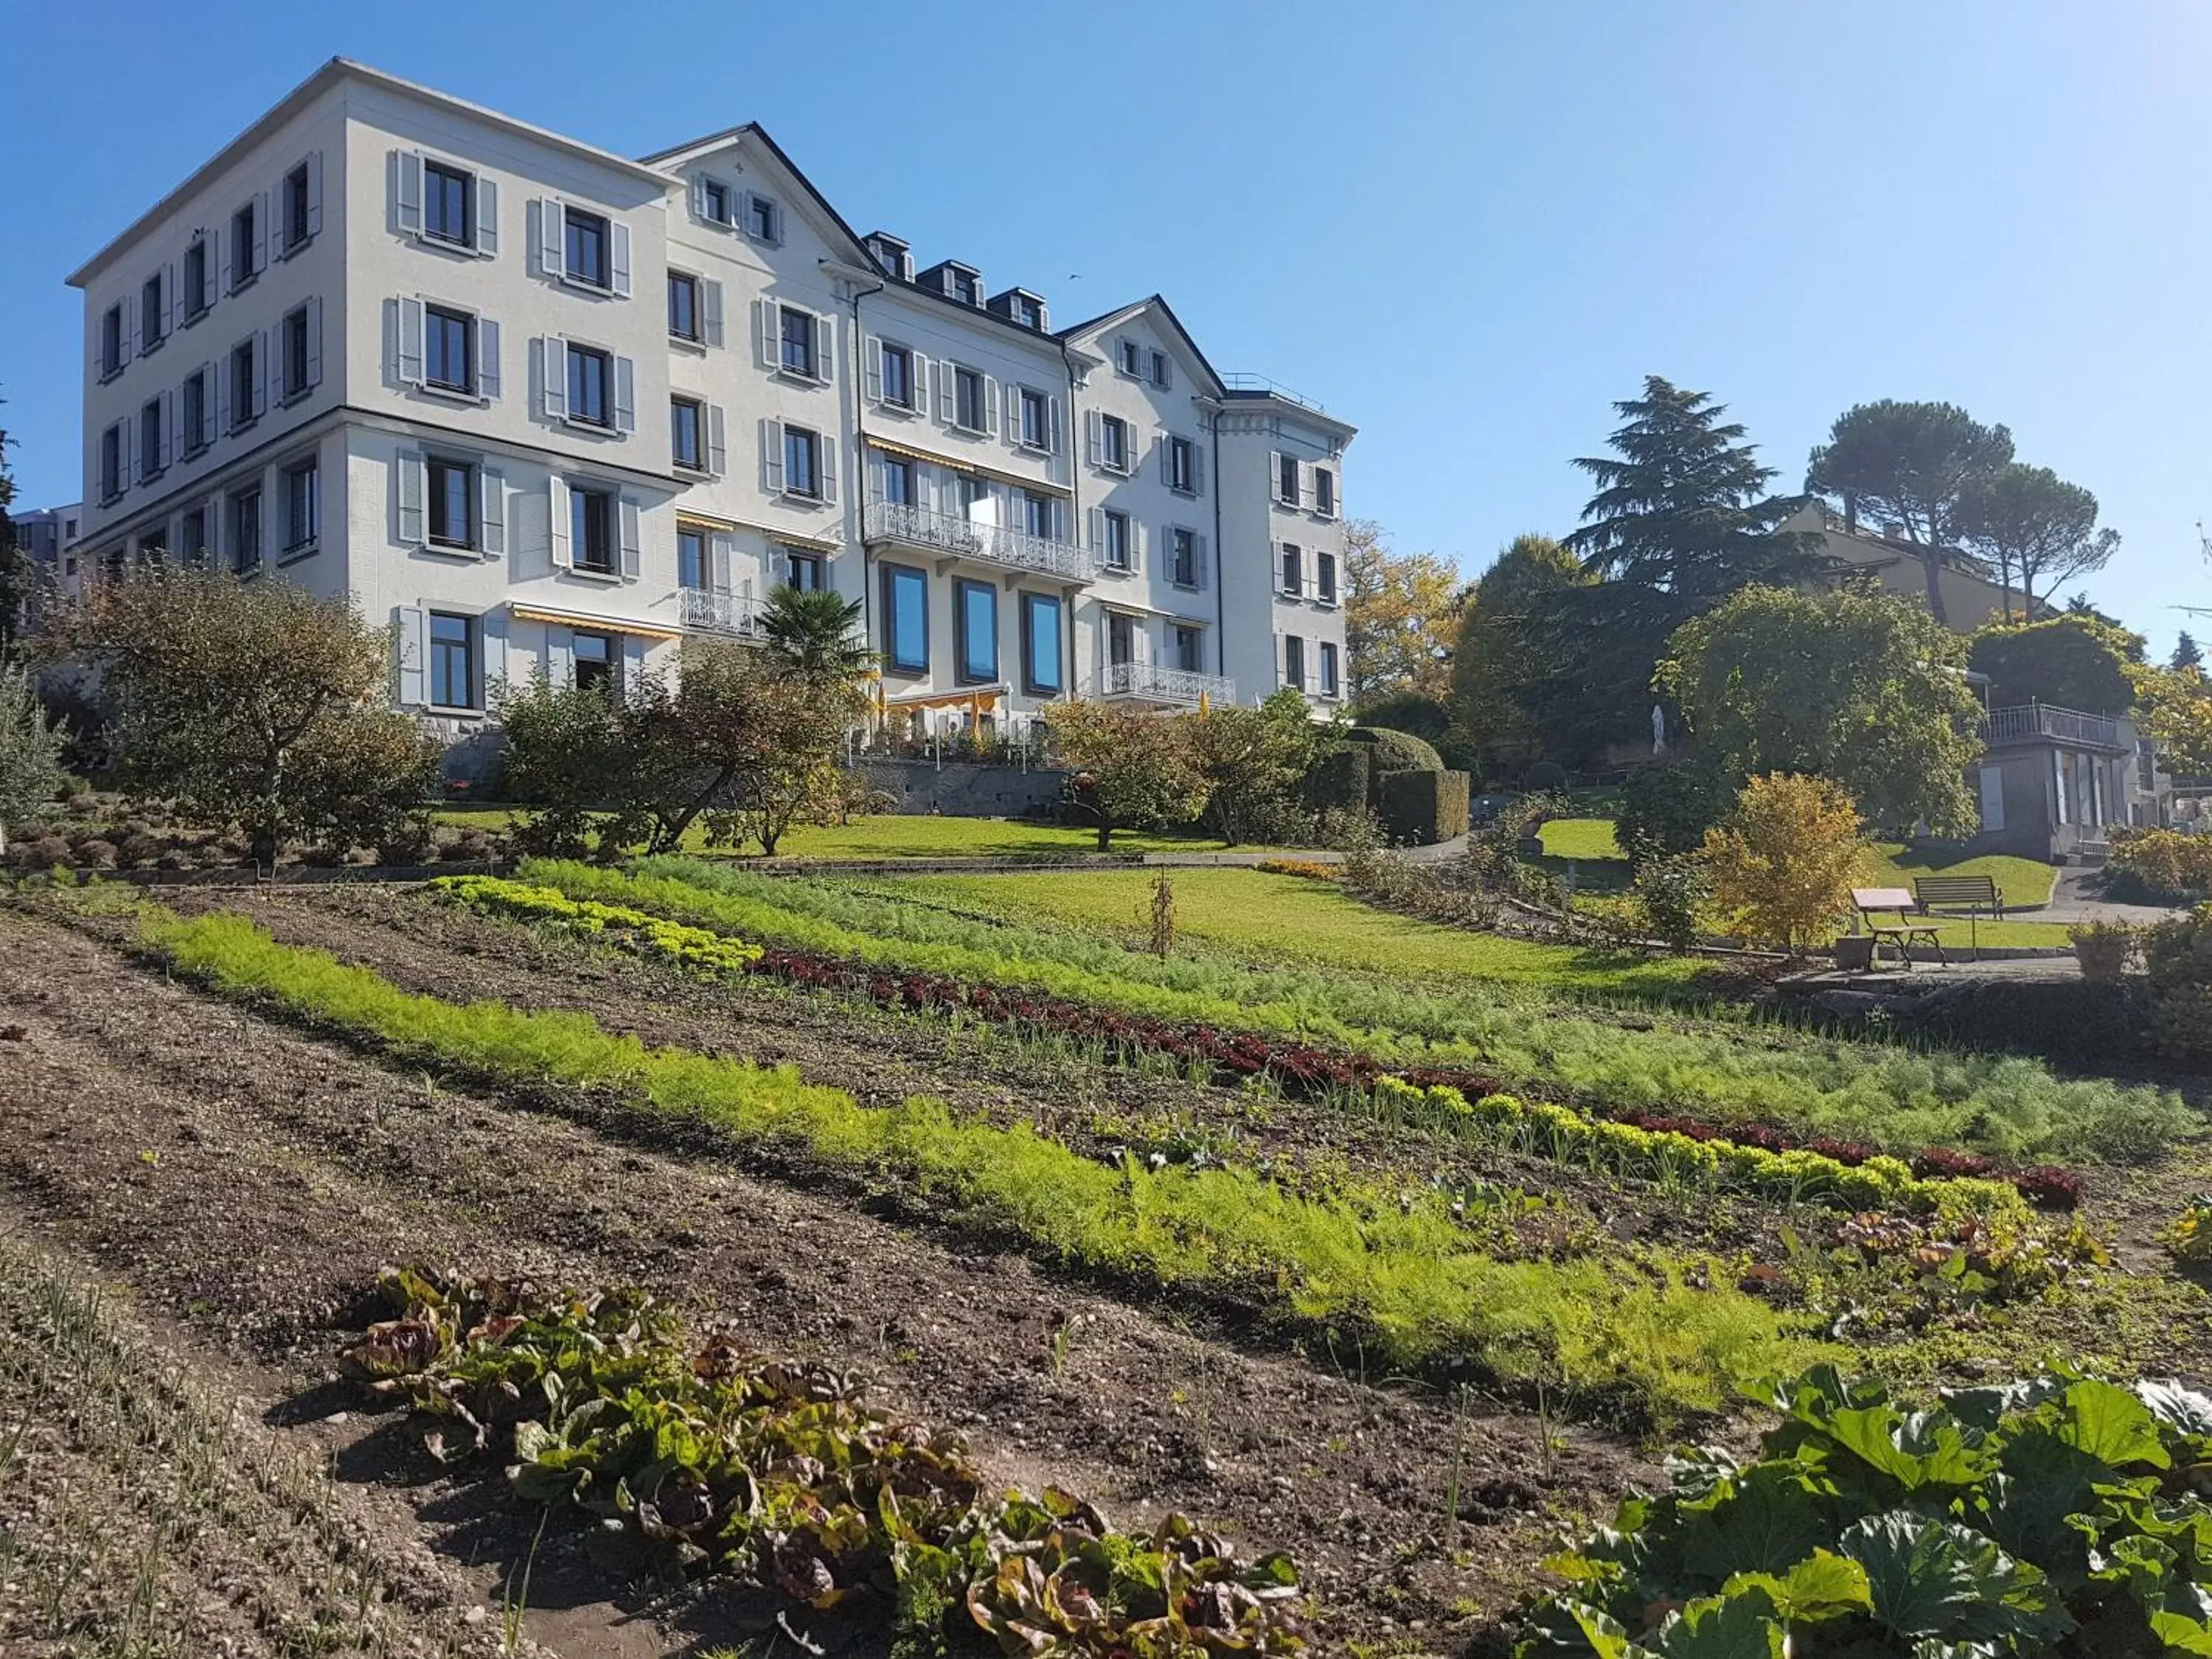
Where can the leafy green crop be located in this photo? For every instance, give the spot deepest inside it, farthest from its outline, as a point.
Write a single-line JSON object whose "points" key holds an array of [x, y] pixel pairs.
{"points": [[2057, 1508], [785, 1474]]}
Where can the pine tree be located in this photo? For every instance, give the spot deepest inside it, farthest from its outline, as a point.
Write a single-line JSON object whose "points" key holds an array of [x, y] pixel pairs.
{"points": [[2187, 653]]}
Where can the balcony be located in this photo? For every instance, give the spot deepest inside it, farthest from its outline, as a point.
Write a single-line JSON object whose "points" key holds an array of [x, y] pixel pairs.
{"points": [[1150, 682], [957, 537], [2037, 721], [737, 615]]}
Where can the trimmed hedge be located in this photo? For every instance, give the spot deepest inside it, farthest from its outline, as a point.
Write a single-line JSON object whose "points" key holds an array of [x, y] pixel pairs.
{"points": [[1397, 751], [1424, 807]]}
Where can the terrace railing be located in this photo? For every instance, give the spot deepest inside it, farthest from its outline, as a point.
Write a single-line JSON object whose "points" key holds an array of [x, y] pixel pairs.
{"points": [[709, 612], [2037, 721], [967, 538], [1158, 683]]}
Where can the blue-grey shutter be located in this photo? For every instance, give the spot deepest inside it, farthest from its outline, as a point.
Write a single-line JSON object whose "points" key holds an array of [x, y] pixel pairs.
{"points": [[1199, 560], [633, 650], [772, 456], [407, 366], [1197, 468], [557, 502], [560, 655], [621, 240], [825, 349], [260, 259], [168, 296], [407, 193], [487, 372], [314, 192], [265, 345], [720, 545], [1094, 434], [487, 217], [766, 319], [625, 395], [991, 404], [491, 634], [552, 237], [699, 196], [314, 365], [410, 524], [632, 543], [710, 307], [492, 512], [872, 358], [552, 354], [1057, 440], [413, 647], [219, 393], [718, 456], [826, 467]]}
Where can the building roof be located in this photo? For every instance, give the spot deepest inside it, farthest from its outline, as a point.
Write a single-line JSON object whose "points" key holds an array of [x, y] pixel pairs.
{"points": [[337, 70]]}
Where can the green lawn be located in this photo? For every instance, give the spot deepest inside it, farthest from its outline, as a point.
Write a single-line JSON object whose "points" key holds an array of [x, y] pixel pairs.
{"points": [[896, 836], [1580, 838], [1265, 917]]}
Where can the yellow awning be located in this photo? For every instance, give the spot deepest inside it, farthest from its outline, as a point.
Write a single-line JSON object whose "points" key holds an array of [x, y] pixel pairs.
{"points": [[983, 701], [643, 631], [962, 464]]}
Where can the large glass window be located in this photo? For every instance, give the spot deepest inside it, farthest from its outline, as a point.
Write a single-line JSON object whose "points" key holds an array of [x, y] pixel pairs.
{"points": [[968, 411], [1116, 548], [1293, 577], [1114, 443], [1328, 668], [690, 555], [801, 476], [898, 481], [448, 360], [1037, 514], [798, 338], [806, 572], [452, 502], [977, 603], [1041, 644], [682, 306], [1190, 649], [906, 619], [1036, 419], [1183, 465], [898, 377], [453, 660], [1325, 577], [595, 663], [192, 536], [591, 529], [447, 198], [589, 372], [685, 418], [587, 250], [1182, 557]]}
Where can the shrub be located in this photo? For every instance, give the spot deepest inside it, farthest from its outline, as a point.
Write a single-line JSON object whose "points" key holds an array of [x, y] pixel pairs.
{"points": [[43, 853], [1129, 768], [2164, 865], [2177, 961], [2102, 948], [1339, 780], [30, 773], [1396, 751], [1670, 895], [1665, 811], [1309, 869], [1784, 865], [1420, 808], [2190, 1234]]}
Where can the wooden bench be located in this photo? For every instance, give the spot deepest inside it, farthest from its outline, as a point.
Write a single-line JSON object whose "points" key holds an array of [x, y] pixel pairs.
{"points": [[1900, 934], [1976, 892]]}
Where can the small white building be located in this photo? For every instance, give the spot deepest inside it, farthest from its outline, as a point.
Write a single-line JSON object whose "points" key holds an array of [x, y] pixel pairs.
{"points": [[544, 408]]}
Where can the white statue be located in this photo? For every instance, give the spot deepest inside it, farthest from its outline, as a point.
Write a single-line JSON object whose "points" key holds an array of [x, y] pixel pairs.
{"points": [[1658, 730]]}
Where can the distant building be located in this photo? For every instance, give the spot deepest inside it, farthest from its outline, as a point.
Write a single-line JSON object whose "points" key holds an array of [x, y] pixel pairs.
{"points": [[48, 537], [1971, 599]]}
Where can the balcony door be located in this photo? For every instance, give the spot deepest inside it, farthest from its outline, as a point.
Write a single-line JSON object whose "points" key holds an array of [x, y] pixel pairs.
{"points": [[1120, 639]]}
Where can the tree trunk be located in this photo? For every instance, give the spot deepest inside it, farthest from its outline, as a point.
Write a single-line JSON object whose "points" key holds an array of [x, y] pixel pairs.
{"points": [[1105, 835], [1932, 562]]}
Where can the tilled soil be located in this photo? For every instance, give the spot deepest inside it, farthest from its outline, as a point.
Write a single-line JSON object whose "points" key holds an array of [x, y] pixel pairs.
{"points": [[250, 1180]]}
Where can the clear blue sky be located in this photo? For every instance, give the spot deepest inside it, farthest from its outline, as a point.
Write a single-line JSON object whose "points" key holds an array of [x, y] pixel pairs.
{"points": [[1467, 227]]}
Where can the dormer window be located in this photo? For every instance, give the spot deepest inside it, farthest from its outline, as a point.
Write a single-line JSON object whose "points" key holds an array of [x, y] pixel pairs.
{"points": [[892, 255], [1028, 312], [961, 285]]}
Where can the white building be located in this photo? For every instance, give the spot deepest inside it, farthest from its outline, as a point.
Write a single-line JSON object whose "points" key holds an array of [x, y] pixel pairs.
{"points": [[545, 407]]}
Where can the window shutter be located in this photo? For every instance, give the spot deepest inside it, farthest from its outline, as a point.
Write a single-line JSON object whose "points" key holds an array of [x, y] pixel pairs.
{"points": [[168, 296], [1052, 414], [491, 631], [314, 192], [765, 319], [1137, 541], [412, 522], [266, 344], [561, 655], [1306, 489], [488, 374], [1199, 561], [919, 391], [772, 457], [1012, 400], [710, 307], [556, 502], [872, 356], [948, 391], [261, 231], [719, 546], [552, 354], [826, 467], [1197, 468], [413, 645], [621, 240], [633, 650], [315, 376], [1274, 475], [491, 540], [825, 349], [487, 217], [698, 196], [991, 405], [1094, 431], [219, 394], [717, 457], [625, 395], [170, 445], [631, 556], [407, 193], [408, 365], [552, 237], [1098, 532], [126, 441]]}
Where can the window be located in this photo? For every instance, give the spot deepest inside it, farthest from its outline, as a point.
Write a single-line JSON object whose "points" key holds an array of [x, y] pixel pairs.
{"points": [[196, 294], [797, 342], [1036, 419], [1286, 479], [976, 603], [110, 463], [1027, 311], [245, 265], [592, 530], [150, 456], [448, 349], [1183, 465], [692, 567], [806, 572], [453, 495], [1113, 552], [192, 536], [1160, 373], [586, 254], [589, 372], [1182, 557], [295, 353], [684, 306], [801, 471], [1120, 639], [151, 326], [715, 200], [1190, 649], [964, 285], [1113, 443], [898, 481], [1131, 357], [1294, 585], [1324, 492], [906, 619], [296, 201], [194, 429], [595, 663], [453, 660], [154, 545], [448, 205], [1041, 638], [111, 343], [1040, 515], [1294, 662], [968, 411], [1328, 668], [763, 219], [1325, 577], [898, 376], [244, 381], [245, 531], [302, 506], [686, 418]]}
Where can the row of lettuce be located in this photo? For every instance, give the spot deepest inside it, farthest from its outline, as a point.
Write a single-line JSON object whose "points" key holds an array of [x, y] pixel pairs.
{"points": [[1746, 1157]]}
